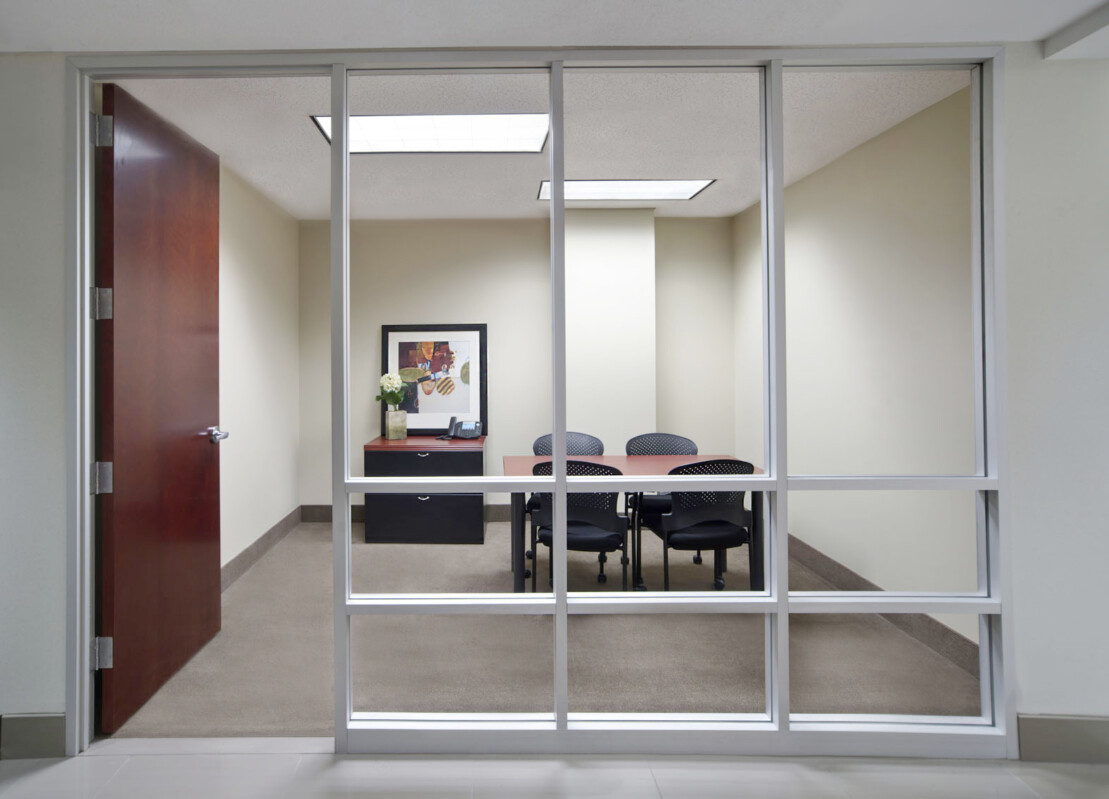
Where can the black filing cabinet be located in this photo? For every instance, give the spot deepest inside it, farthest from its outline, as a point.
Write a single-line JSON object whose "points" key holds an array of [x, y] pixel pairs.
{"points": [[430, 519]]}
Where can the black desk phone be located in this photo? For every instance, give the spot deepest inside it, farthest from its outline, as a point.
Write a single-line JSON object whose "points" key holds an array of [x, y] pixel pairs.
{"points": [[457, 429]]}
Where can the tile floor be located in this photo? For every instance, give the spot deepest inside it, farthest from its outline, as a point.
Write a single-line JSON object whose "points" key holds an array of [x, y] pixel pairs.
{"points": [[293, 768]]}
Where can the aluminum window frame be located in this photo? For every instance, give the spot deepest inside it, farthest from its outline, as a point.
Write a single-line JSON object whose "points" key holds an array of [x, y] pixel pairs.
{"points": [[992, 735]]}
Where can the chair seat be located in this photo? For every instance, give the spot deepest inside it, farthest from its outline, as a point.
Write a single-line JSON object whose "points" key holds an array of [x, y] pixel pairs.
{"points": [[707, 535], [654, 504], [583, 537]]}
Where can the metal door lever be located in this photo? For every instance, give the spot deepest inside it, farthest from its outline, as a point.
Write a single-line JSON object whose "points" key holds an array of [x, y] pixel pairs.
{"points": [[215, 435]]}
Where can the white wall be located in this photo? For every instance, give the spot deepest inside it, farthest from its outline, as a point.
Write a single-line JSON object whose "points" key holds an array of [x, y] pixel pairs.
{"points": [[428, 272], [32, 385], [880, 349], [259, 374], [1057, 151], [610, 324], [695, 320], [750, 335]]}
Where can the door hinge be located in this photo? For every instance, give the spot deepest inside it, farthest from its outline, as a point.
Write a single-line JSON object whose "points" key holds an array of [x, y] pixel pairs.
{"points": [[101, 130], [101, 656], [100, 304], [101, 479]]}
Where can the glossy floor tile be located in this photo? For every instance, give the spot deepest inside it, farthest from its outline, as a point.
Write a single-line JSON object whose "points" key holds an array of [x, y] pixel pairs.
{"points": [[247, 768]]}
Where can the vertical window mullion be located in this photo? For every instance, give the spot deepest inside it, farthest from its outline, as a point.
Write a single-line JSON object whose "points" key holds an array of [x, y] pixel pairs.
{"points": [[558, 363], [774, 280], [340, 399]]}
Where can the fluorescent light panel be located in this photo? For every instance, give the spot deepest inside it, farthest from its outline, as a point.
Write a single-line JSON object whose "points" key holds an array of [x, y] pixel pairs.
{"points": [[444, 133], [627, 190]]}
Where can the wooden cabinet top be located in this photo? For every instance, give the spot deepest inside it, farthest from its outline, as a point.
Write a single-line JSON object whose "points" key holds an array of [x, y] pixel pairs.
{"points": [[426, 444]]}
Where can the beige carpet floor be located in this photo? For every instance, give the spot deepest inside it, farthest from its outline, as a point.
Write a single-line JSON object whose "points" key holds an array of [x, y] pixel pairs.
{"points": [[269, 671]]}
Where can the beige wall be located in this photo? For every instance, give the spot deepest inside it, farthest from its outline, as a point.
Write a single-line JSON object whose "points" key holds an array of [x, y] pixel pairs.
{"points": [[749, 376], [259, 377], [33, 279], [1057, 151], [695, 381], [880, 349], [610, 324], [428, 272]]}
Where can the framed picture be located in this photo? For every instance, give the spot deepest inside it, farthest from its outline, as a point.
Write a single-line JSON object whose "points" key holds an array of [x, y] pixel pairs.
{"points": [[443, 368]]}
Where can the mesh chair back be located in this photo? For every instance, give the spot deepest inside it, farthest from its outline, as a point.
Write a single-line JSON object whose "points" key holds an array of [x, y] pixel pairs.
{"points": [[693, 507], [596, 509], [576, 444], [660, 444]]}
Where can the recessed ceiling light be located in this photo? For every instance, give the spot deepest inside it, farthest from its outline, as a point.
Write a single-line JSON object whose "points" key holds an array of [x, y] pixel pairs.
{"points": [[628, 189], [444, 133]]}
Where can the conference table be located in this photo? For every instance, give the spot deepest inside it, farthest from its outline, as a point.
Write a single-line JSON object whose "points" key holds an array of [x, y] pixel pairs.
{"points": [[629, 465]]}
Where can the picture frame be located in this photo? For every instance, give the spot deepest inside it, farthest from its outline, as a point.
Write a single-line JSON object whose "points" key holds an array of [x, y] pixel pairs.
{"points": [[445, 373]]}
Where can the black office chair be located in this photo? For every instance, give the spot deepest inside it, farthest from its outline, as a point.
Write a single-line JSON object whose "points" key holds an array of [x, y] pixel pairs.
{"points": [[653, 505], [593, 523], [701, 520], [576, 444]]}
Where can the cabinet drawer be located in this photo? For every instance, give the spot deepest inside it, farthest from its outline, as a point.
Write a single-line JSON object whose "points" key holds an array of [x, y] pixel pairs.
{"points": [[434, 519], [423, 464]]}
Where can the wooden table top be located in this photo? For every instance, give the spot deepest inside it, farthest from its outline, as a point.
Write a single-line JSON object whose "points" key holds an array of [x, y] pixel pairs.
{"points": [[521, 465], [425, 444]]}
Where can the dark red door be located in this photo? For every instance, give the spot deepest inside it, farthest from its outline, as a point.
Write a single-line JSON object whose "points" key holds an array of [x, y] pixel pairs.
{"points": [[157, 389]]}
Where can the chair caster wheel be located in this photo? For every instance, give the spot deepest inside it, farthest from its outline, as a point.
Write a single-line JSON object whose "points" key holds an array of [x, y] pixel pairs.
{"points": [[718, 585], [602, 578], [624, 561], [698, 560], [527, 573], [529, 555], [640, 587]]}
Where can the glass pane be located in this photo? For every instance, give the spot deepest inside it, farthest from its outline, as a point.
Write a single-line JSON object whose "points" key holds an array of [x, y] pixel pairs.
{"points": [[669, 663], [883, 541], [664, 319], [438, 543], [452, 664], [879, 272], [449, 292], [901, 664]]}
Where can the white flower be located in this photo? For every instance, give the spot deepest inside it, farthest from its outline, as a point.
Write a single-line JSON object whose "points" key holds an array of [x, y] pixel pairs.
{"points": [[391, 382]]}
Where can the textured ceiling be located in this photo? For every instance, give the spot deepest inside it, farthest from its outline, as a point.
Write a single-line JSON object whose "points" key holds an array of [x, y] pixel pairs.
{"points": [[619, 124]]}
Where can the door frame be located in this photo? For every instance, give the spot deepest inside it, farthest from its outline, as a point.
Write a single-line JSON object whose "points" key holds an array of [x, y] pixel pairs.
{"points": [[994, 739]]}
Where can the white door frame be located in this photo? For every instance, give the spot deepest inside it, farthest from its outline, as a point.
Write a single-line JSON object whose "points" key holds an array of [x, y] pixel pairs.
{"points": [[993, 734]]}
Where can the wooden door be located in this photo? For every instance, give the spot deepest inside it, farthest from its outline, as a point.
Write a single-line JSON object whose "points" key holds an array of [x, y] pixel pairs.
{"points": [[157, 390]]}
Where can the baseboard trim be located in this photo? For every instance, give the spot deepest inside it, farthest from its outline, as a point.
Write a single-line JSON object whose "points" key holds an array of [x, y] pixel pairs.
{"points": [[238, 565], [498, 513], [32, 735], [1064, 739], [938, 637], [322, 513]]}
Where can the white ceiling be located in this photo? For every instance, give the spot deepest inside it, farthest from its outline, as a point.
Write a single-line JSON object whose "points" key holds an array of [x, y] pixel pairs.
{"points": [[207, 25], [619, 124]]}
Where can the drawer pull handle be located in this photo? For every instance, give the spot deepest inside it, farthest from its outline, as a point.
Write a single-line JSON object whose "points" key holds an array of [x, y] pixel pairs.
{"points": [[423, 499], [422, 454]]}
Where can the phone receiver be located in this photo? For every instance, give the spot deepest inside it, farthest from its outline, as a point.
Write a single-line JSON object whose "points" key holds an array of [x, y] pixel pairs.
{"points": [[447, 436]]}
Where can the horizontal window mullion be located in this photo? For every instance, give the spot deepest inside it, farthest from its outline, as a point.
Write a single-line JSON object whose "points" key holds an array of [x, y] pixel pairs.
{"points": [[891, 483], [645, 603], [450, 604], [448, 485], [585, 484], [889, 602]]}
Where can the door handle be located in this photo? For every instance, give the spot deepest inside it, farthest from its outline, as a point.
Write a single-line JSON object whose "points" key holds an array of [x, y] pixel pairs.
{"points": [[215, 435]]}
